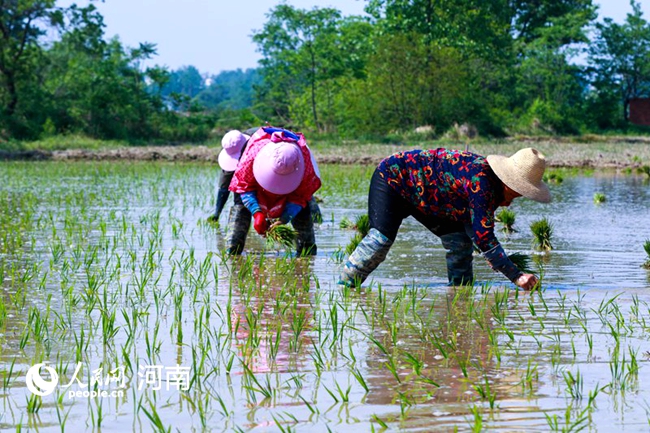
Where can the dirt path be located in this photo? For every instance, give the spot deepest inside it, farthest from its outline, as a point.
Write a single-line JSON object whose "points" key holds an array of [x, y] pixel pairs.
{"points": [[613, 153]]}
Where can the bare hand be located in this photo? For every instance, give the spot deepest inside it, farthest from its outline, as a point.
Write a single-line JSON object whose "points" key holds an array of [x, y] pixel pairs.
{"points": [[527, 281], [275, 224]]}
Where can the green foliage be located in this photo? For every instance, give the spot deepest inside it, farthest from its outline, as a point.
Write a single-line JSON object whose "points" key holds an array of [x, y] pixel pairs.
{"points": [[620, 58], [504, 67], [230, 90], [305, 55]]}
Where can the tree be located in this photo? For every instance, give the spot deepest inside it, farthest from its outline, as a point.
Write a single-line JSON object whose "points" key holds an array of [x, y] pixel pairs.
{"points": [[186, 80], [304, 52], [22, 22], [620, 59], [96, 87]]}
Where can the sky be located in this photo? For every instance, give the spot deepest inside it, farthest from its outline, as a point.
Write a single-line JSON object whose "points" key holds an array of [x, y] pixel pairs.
{"points": [[215, 35]]}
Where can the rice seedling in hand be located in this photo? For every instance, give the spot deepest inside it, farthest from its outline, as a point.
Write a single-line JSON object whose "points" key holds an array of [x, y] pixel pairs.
{"points": [[522, 261], [542, 233], [507, 218], [599, 197], [646, 247], [282, 235]]}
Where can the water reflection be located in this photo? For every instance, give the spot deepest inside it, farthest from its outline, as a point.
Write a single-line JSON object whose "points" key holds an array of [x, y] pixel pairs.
{"points": [[271, 312], [283, 319]]}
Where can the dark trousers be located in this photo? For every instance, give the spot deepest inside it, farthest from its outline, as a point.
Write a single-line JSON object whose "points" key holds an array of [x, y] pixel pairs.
{"points": [[386, 211], [239, 223]]}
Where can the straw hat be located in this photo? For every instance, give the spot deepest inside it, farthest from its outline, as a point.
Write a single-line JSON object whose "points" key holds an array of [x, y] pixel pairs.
{"points": [[279, 167], [523, 172], [233, 144]]}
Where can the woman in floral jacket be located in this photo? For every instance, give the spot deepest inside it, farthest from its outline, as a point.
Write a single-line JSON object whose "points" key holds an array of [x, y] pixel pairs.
{"points": [[454, 195]]}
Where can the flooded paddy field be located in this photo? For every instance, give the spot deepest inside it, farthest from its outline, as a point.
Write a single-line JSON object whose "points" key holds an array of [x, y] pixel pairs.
{"points": [[113, 281]]}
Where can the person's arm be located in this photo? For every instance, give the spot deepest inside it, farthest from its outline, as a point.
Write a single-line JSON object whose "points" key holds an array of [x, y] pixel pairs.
{"points": [[481, 207], [250, 201], [223, 192], [290, 212], [260, 223]]}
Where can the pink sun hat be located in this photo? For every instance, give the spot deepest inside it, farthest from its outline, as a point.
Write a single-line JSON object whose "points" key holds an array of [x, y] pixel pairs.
{"points": [[279, 167], [233, 143]]}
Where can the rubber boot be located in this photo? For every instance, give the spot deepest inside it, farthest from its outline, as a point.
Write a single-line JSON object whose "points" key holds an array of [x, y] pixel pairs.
{"points": [[239, 222], [306, 240], [459, 258], [370, 252]]}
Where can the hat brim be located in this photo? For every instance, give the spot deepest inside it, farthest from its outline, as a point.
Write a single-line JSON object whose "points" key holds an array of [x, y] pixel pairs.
{"points": [[510, 175], [227, 161], [273, 182]]}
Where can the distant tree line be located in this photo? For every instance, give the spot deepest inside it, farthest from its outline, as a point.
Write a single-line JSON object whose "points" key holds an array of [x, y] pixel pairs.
{"points": [[501, 66]]}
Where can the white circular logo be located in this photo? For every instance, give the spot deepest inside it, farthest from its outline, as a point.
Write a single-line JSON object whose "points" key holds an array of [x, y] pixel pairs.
{"points": [[36, 384]]}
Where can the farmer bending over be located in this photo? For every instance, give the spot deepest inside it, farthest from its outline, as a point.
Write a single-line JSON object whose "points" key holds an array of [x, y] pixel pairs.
{"points": [[454, 194], [276, 178], [233, 145]]}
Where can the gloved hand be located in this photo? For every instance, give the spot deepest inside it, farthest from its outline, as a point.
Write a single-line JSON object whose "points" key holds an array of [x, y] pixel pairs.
{"points": [[260, 223]]}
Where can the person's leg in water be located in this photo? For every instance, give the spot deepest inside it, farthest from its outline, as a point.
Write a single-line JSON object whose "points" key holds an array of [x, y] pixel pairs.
{"points": [[460, 250], [314, 209], [386, 210], [458, 244], [239, 223], [304, 225]]}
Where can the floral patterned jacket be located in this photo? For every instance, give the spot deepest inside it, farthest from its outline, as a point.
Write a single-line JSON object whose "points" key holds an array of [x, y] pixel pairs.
{"points": [[456, 185]]}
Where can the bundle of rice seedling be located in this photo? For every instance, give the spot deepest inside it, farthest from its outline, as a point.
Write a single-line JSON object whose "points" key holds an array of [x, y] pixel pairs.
{"points": [[522, 261], [346, 223], [356, 239], [281, 234], [362, 224], [507, 218], [542, 234]]}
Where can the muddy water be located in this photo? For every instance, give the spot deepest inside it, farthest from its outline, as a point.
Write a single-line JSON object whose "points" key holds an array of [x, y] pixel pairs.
{"points": [[272, 344]]}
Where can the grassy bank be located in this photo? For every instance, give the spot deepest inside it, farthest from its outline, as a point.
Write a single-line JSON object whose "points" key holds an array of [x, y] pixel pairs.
{"points": [[575, 151]]}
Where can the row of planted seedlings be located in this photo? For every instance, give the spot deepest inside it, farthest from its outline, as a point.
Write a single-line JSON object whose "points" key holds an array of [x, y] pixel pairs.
{"points": [[265, 342]]}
